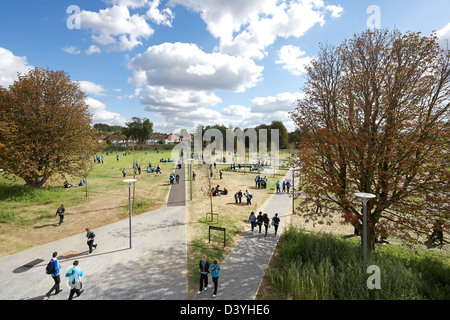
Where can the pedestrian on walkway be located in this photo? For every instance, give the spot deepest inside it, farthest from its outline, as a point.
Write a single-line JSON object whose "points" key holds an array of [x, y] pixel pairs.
{"points": [[90, 239], [214, 269], [288, 185], [74, 280], [266, 222], [55, 275], [252, 220], [278, 187], [275, 222], [60, 211], [259, 220], [204, 272]]}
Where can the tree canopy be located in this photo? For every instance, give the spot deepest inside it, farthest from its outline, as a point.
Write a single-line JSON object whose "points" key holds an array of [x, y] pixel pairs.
{"points": [[45, 127], [374, 119]]}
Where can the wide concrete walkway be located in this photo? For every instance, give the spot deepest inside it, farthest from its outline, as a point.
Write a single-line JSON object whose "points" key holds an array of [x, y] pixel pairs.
{"points": [[154, 268]]}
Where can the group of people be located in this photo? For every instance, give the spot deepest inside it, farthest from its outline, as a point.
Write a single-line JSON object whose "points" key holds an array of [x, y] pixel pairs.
{"points": [[238, 197], [263, 219], [205, 269], [73, 274], [260, 183], [217, 192], [174, 178], [283, 187]]}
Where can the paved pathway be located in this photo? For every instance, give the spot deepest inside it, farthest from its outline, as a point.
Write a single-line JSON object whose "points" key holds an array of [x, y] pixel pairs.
{"points": [[243, 269], [153, 269]]}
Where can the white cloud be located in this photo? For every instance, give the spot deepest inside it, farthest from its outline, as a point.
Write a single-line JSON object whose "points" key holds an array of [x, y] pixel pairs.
{"points": [[10, 66], [185, 66], [115, 28], [336, 11], [282, 102], [444, 36], [247, 27], [291, 59], [92, 88], [101, 115], [93, 49], [71, 50]]}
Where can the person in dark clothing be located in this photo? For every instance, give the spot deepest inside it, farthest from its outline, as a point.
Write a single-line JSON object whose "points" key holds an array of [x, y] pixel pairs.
{"points": [[276, 222], [240, 196], [266, 222], [204, 271], [259, 221], [90, 242], [55, 275], [60, 212]]}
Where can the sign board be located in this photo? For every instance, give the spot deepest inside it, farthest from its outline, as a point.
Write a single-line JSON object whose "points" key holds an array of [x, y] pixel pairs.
{"points": [[218, 229]]}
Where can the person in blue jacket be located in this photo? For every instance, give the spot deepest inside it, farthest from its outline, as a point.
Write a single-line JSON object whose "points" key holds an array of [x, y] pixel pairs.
{"points": [[214, 269], [55, 275], [74, 275]]}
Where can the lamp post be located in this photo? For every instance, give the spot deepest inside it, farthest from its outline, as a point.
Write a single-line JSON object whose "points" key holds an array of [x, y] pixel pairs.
{"points": [[129, 181], [364, 197]]}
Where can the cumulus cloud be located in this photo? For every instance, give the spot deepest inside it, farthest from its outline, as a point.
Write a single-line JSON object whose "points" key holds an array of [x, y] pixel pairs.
{"points": [[101, 115], [93, 49], [284, 102], [91, 88], [125, 25], [444, 35], [10, 66], [291, 59], [247, 27], [186, 66]]}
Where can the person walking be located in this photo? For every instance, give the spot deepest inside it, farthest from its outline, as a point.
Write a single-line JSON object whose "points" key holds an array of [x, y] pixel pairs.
{"points": [[55, 275], [278, 186], [252, 220], [90, 239], [266, 222], [240, 196], [276, 223], [204, 271], [60, 211], [259, 220], [74, 280], [214, 269]]}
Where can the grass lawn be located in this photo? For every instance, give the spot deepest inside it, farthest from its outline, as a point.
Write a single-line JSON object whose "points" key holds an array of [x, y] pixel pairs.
{"points": [[27, 216]]}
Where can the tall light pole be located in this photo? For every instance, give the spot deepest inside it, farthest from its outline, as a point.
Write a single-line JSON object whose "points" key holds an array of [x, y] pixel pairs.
{"points": [[364, 197], [129, 181]]}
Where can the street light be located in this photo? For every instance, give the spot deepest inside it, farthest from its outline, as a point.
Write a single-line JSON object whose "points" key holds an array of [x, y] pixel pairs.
{"points": [[364, 197], [129, 181]]}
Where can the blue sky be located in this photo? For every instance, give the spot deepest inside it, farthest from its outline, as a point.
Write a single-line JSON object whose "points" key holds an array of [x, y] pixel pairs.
{"points": [[181, 63]]}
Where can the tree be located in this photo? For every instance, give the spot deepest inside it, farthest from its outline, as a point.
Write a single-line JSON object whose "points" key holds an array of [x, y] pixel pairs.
{"points": [[283, 133], [140, 129], [46, 127], [375, 119]]}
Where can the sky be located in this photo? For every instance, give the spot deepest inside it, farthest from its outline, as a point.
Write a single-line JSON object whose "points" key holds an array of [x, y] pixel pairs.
{"points": [[181, 63]]}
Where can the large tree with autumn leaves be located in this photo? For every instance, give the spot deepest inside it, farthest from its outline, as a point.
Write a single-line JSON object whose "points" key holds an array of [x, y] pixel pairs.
{"points": [[45, 127], [374, 119]]}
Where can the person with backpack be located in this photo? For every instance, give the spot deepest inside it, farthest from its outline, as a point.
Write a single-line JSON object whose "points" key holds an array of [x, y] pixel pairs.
{"points": [[60, 211], [90, 242], [204, 271], [75, 284], [53, 268]]}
